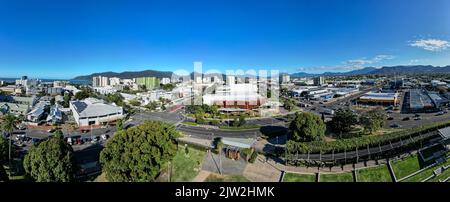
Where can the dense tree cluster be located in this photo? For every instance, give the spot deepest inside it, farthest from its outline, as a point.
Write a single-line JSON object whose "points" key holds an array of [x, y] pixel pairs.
{"points": [[372, 120], [306, 127], [343, 121], [139, 153], [51, 160]]}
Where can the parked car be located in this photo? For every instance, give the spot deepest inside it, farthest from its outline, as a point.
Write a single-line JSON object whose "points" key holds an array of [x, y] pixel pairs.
{"points": [[406, 119], [418, 118], [51, 130], [390, 118], [104, 136], [395, 125]]}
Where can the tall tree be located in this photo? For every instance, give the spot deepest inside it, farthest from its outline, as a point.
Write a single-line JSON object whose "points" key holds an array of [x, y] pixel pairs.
{"points": [[8, 124], [139, 153], [343, 121], [50, 161], [3, 158], [306, 127], [372, 120]]}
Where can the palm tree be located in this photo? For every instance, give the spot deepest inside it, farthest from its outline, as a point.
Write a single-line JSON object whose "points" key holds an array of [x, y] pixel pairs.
{"points": [[8, 124]]}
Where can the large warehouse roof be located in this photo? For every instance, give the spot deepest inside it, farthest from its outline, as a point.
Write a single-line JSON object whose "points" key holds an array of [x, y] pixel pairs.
{"points": [[93, 108]]}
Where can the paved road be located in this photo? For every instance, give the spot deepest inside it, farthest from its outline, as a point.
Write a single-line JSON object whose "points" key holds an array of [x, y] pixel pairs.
{"points": [[208, 133]]}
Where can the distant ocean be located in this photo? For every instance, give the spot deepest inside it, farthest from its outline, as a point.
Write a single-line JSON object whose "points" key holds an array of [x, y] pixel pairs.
{"points": [[71, 81]]}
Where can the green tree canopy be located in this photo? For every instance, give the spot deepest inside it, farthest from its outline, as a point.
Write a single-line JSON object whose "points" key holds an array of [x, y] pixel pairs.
{"points": [[135, 102], [84, 93], [139, 153], [50, 161], [372, 120], [306, 127], [343, 121], [115, 98], [119, 125], [7, 125], [3, 150], [151, 105]]}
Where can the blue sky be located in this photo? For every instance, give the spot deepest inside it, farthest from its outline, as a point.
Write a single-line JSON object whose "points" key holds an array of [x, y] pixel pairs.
{"points": [[63, 39]]}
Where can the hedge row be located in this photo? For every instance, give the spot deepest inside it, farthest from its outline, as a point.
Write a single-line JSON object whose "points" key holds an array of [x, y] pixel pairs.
{"points": [[360, 142]]}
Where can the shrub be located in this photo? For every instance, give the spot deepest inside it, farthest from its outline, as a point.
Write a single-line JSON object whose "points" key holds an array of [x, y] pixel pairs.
{"points": [[253, 157]]}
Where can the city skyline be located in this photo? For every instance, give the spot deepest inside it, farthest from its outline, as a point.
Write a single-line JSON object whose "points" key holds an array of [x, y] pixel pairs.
{"points": [[65, 39]]}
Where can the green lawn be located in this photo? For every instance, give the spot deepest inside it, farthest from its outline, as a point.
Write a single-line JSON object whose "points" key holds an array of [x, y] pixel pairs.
{"points": [[226, 178], [403, 168], [295, 177], [247, 126], [427, 173], [190, 123], [374, 174], [341, 177], [186, 167], [442, 176]]}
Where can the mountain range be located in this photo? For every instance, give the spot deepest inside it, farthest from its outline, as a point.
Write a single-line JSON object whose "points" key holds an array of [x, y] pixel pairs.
{"points": [[401, 69]]}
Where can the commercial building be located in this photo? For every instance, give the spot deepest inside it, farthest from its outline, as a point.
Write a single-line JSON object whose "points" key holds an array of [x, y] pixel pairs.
{"points": [[105, 90], [418, 100], [54, 90], [94, 112], [61, 84], [16, 105], [379, 98], [148, 82], [243, 96]]}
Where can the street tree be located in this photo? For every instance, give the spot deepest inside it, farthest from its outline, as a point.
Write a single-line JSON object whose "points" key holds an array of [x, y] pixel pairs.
{"points": [[51, 160], [138, 154], [306, 127], [343, 121]]}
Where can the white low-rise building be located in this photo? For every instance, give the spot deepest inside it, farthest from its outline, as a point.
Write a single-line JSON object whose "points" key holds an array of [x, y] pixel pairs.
{"points": [[94, 112], [105, 90]]}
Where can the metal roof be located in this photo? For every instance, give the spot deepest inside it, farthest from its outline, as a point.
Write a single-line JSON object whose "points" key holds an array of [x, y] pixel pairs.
{"points": [[94, 108], [238, 142], [445, 132]]}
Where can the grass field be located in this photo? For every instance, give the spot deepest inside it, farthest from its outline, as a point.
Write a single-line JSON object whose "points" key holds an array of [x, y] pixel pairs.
{"points": [[341, 177], [374, 174], [186, 166], [442, 176], [403, 168], [226, 178], [294, 177], [427, 173], [190, 123], [247, 126]]}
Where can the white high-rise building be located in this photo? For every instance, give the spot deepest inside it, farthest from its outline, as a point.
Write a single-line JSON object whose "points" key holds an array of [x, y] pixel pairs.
{"points": [[114, 81], [100, 81]]}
